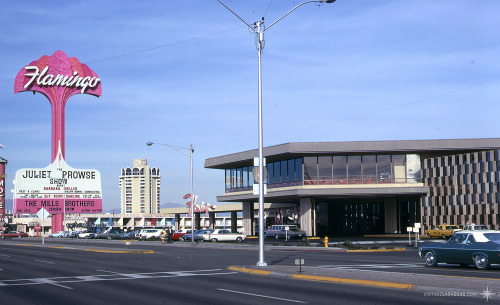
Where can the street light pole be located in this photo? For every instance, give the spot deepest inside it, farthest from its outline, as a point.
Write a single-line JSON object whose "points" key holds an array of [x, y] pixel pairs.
{"points": [[190, 155], [259, 29]]}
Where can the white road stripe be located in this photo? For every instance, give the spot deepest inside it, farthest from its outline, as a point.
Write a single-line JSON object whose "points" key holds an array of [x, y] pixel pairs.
{"points": [[46, 262], [57, 281], [261, 296]]}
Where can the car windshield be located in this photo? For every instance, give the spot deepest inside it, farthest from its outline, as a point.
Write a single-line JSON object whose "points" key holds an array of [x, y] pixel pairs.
{"points": [[451, 227]]}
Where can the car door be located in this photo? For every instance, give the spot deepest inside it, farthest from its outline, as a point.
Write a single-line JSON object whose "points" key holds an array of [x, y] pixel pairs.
{"points": [[468, 249], [448, 252]]}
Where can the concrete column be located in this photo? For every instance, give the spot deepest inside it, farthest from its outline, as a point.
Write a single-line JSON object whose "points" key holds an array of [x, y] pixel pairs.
{"points": [[391, 215], [306, 215], [211, 220], [197, 219], [177, 221], [234, 222], [248, 218]]}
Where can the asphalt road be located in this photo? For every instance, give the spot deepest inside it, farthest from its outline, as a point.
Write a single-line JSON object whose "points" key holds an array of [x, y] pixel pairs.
{"points": [[72, 272]]}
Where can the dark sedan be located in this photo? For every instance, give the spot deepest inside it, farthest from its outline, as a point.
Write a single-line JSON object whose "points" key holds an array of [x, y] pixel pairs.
{"points": [[112, 234], [480, 248]]}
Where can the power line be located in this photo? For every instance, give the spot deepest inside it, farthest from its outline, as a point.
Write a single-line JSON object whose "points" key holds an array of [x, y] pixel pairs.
{"points": [[152, 49], [362, 114]]}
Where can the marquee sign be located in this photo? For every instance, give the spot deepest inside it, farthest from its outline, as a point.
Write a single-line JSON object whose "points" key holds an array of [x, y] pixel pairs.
{"points": [[58, 188], [2, 187]]}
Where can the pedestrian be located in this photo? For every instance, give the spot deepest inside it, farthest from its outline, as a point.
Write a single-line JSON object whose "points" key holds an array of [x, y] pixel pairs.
{"points": [[163, 233], [169, 235]]}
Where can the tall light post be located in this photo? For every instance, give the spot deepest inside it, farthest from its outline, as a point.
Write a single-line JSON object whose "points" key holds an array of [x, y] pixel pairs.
{"points": [[190, 155], [258, 29]]}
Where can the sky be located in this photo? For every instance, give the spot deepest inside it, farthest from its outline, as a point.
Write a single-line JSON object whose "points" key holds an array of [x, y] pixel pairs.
{"points": [[185, 73]]}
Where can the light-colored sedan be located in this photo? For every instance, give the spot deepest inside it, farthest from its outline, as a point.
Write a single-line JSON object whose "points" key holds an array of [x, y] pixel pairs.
{"points": [[223, 235], [60, 234]]}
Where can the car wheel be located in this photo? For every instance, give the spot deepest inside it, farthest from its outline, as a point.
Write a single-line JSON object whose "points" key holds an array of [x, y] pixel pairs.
{"points": [[109, 237], [444, 236], [239, 239], [481, 262], [429, 235], [430, 259], [19, 236], [214, 240], [276, 236]]}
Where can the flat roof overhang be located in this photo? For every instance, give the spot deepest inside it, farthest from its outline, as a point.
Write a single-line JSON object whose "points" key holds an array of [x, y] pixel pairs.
{"points": [[288, 194], [301, 149]]}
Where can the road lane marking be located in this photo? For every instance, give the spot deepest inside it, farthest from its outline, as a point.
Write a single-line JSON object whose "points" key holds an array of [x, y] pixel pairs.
{"points": [[261, 296], [46, 262], [49, 281], [59, 281], [122, 251]]}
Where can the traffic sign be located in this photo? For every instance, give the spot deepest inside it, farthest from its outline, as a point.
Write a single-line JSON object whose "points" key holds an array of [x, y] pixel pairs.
{"points": [[42, 213]]}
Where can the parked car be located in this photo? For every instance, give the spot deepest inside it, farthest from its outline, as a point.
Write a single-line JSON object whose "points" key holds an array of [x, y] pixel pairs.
{"points": [[474, 227], [280, 231], [180, 233], [131, 234], [73, 234], [150, 233], [13, 234], [87, 234], [111, 234], [480, 247], [223, 235], [60, 234], [196, 234]]}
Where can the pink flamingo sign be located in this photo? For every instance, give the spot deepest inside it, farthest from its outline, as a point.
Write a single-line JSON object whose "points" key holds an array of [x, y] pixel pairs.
{"points": [[58, 78]]}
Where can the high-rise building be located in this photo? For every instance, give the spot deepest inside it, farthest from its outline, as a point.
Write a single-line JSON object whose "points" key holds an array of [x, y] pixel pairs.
{"points": [[140, 189]]}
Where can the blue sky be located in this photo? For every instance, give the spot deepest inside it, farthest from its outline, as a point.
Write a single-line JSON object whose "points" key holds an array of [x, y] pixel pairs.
{"points": [[185, 72]]}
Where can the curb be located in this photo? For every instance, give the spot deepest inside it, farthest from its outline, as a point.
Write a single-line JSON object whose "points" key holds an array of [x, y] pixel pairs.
{"points": [[378, 250], [325, 279]]}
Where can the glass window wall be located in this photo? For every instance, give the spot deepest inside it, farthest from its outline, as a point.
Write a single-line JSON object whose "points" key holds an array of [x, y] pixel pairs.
{"points": [[354, 169], [339, 170], [384, 172], [365, 169], [325, 170], [310, 170], [369, 169]]}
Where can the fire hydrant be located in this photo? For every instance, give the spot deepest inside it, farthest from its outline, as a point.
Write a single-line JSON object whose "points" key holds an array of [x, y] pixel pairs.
{"points": [[326, 241]]}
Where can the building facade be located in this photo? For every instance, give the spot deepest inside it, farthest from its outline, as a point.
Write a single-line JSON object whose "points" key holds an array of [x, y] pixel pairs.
{"points": [[355, 188], [140, 188]]}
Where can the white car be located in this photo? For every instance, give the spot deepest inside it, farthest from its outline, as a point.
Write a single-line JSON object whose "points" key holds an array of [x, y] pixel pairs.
{"points": [[150, 233], [223, 235]]}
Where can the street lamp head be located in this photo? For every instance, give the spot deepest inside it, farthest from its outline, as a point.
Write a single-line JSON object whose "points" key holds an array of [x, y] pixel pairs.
{"points": [[330, 1], [149, 143]]}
